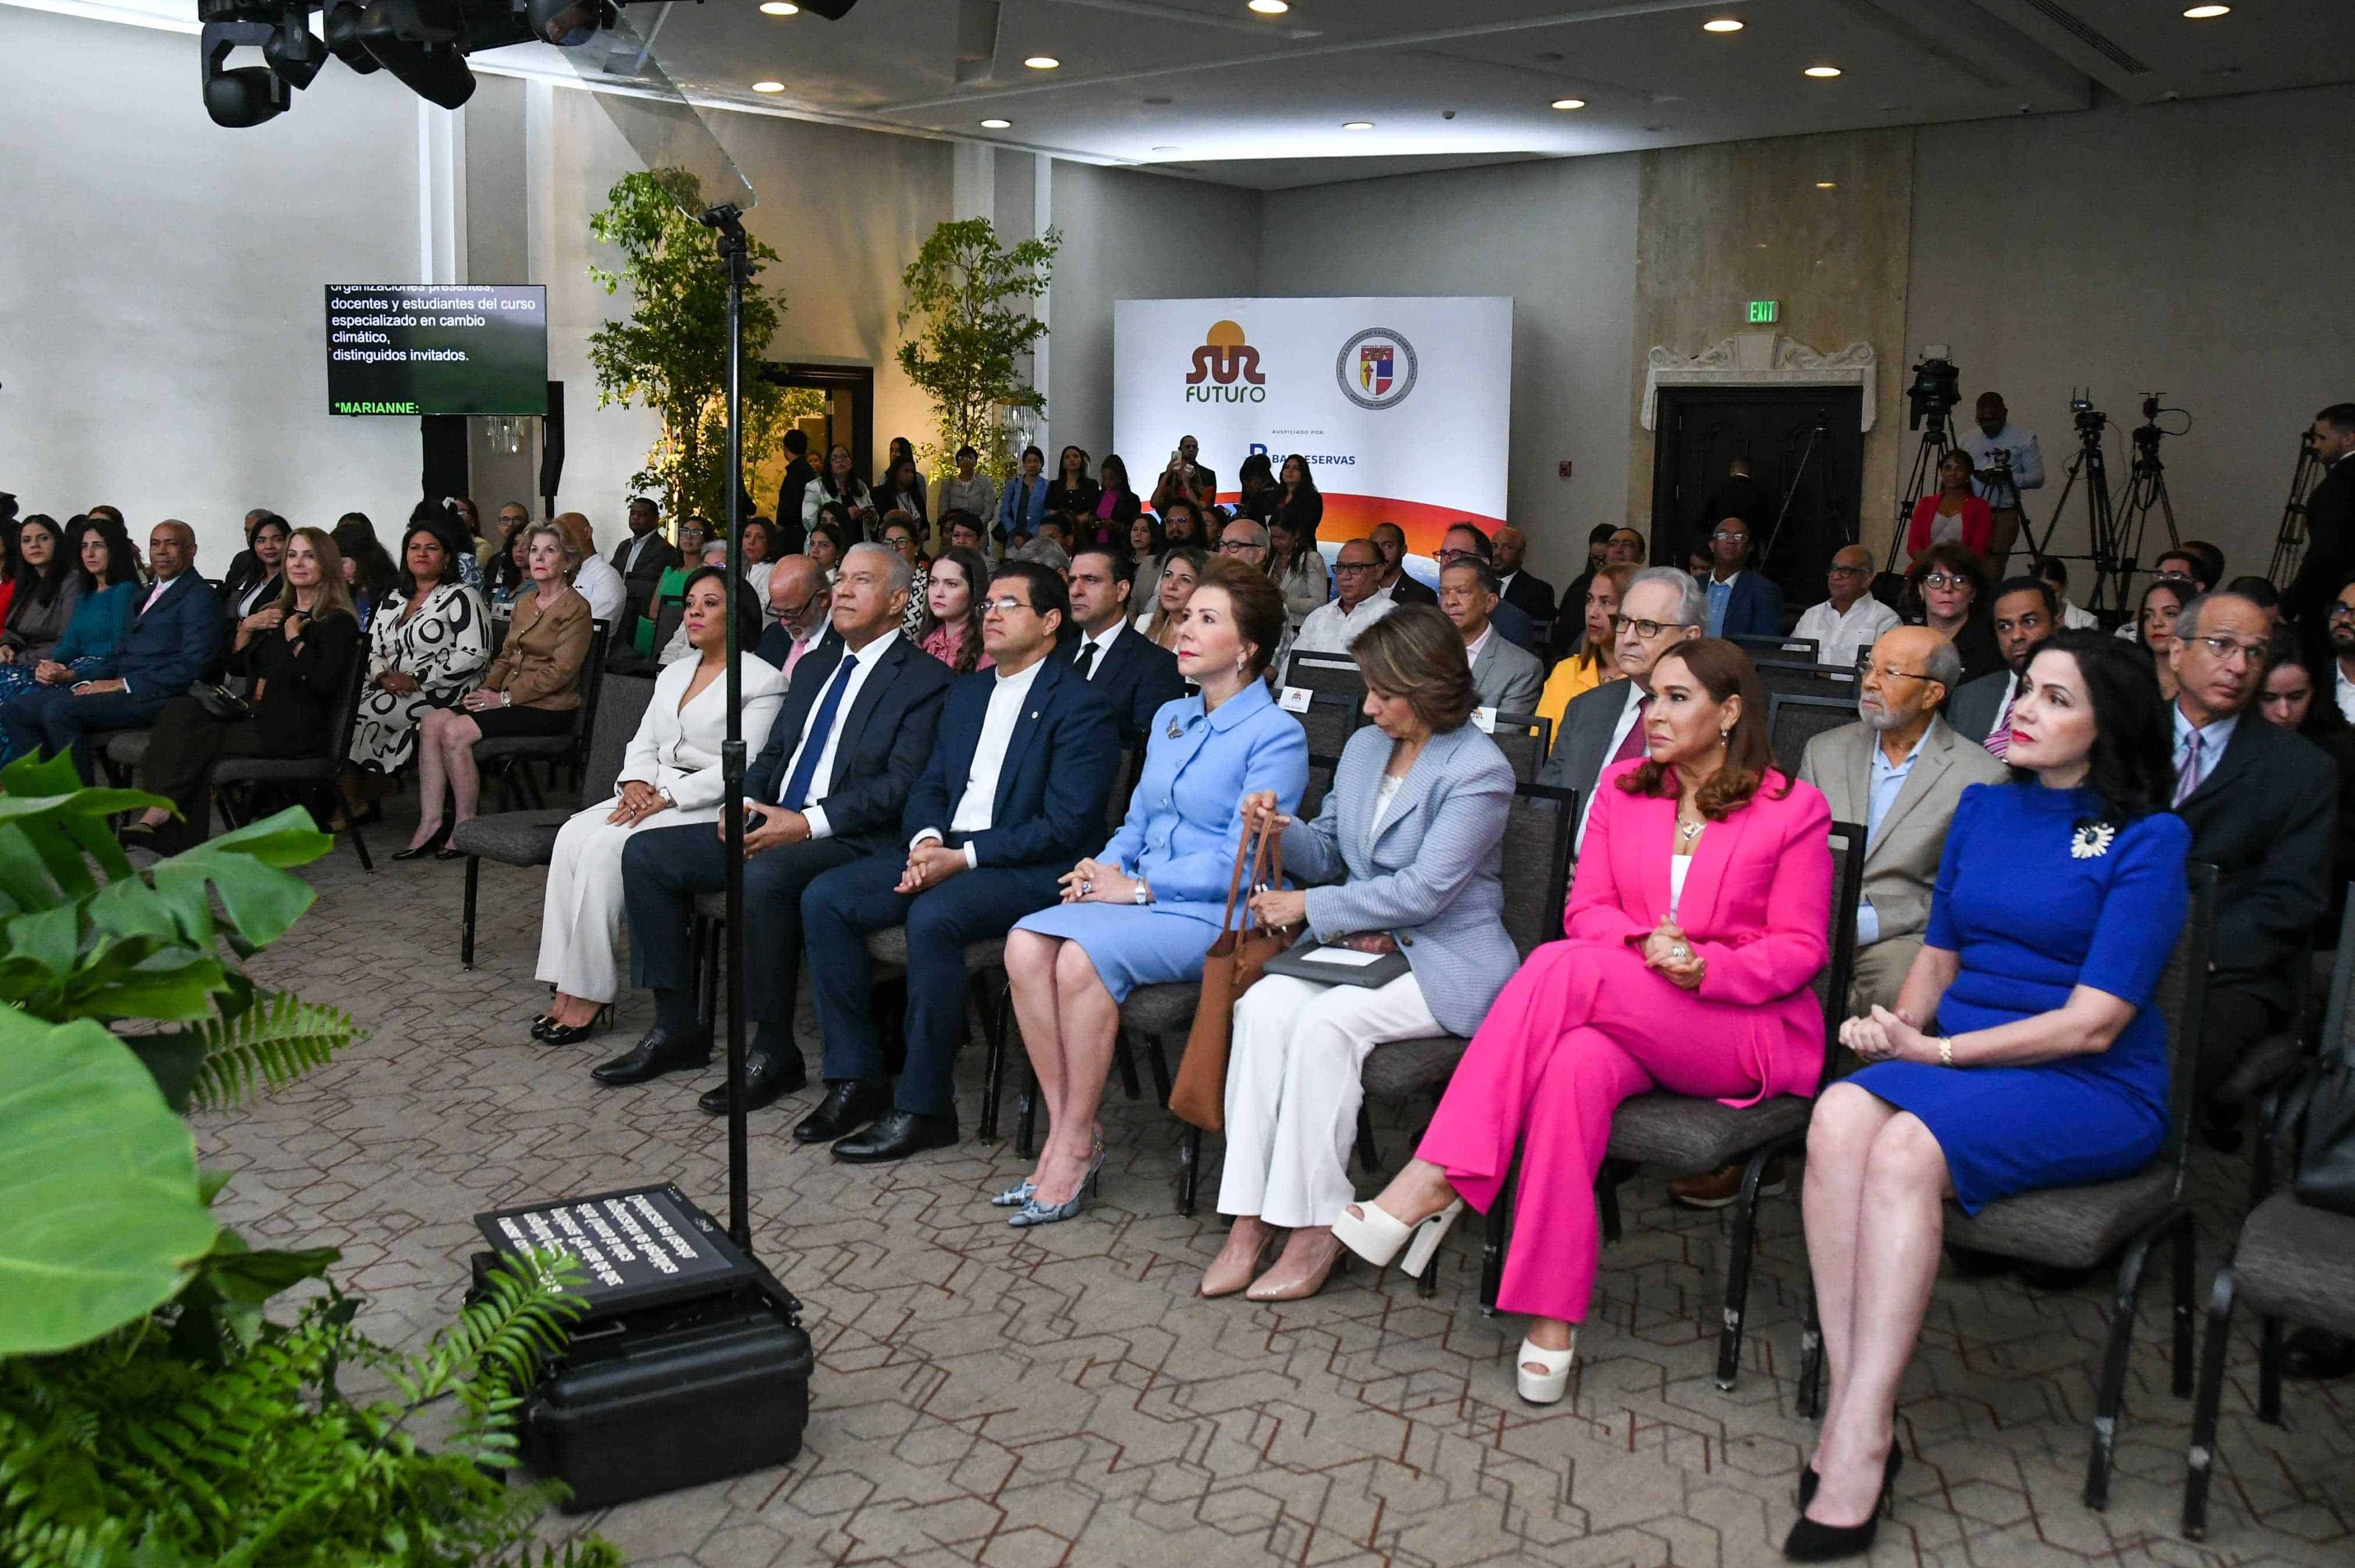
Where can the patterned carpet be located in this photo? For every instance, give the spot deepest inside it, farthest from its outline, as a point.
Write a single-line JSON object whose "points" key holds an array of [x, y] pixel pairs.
{"points": [[1061, 1396]]}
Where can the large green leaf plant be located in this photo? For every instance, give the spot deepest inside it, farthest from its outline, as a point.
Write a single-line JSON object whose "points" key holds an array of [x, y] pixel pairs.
{"points": [[152, 1414]]}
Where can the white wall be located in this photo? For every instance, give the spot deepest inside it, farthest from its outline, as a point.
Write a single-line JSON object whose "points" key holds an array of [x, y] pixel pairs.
{"points": [[1130, 235], [2191, 249], [1559, 237], [162, 320]]}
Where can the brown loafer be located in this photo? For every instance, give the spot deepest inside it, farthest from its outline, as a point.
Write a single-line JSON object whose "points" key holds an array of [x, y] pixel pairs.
{"points": [[1716, 1189]]}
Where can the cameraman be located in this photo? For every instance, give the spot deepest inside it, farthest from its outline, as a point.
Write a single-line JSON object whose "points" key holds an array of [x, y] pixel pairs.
{"points": [[1996, 434], [2329, 534]]}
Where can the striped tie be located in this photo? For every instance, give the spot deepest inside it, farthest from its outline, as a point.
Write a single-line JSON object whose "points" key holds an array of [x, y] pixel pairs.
{"points": [[1999, 739], [2189, 779]]}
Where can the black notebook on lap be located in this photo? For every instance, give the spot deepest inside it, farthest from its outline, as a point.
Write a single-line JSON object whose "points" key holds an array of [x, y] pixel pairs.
{"points": [[1336, 965]]}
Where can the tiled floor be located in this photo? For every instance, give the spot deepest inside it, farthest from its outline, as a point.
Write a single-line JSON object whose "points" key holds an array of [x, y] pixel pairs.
{"points": [[1060, 1395]]}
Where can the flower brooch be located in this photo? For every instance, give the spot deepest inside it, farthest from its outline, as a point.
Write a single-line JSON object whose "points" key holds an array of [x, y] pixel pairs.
{"points": [[2092, 841]]}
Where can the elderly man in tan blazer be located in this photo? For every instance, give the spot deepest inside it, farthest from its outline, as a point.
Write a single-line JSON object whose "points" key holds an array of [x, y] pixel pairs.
{"points": [[1899, 772]]}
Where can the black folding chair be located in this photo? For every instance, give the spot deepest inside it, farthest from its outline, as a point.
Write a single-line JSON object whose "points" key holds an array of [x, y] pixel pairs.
{"points": [[1525, 739], [506, 761], [234, 779], [1792, 648], [1330, 672]]}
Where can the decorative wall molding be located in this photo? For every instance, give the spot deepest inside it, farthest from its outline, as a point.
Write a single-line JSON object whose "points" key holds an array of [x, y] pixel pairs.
{"points": [[1760, 359]]}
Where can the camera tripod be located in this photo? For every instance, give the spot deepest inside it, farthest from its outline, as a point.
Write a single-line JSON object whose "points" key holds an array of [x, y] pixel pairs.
{"points": [[2146, 494], [2101, 517], [2289, 542], [1933, 451]]}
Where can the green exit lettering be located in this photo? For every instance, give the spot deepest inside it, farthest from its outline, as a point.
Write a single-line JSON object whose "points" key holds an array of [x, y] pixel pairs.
{"points": [[1763, 312]]}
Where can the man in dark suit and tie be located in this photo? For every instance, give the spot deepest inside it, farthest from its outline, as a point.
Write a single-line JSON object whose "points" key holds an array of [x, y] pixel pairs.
{"points": [[1014, 796], [854, 734], [1524, 590], [802, 605], [2329, 534], [172, 640], [2261, 803], [800, 474], [642, 559], [1136, 674], [1741, 603], [1390, 540], [1663, 608]]}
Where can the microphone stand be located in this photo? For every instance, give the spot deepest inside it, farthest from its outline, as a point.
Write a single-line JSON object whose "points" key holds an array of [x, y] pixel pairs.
{"points": [[1799, 476]]}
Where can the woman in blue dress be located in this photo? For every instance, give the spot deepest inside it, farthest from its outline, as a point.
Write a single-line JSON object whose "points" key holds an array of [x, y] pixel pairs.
{"points": [[1146, 911], [2060, 897]]}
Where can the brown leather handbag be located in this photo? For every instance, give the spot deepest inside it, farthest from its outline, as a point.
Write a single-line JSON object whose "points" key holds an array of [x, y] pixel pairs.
{"points": [[1236, 959]]}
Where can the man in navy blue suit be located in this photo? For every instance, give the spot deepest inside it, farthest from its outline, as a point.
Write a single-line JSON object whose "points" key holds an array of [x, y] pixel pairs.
{"points": [[1013, 798], [855, 732], [174, 633], [1136, 674], [1741, 603]]}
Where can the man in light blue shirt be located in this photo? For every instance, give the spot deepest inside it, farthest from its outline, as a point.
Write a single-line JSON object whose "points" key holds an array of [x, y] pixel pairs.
{"points": [[2008, 461]]}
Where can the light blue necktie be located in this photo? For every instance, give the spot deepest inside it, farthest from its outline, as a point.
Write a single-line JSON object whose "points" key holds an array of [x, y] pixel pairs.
{"points": [[797, 787], [2189, 779]]}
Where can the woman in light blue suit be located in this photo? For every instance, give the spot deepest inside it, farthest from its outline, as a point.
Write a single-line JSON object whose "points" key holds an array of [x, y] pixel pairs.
{"points": [[1145, 911], [1415, 825]]}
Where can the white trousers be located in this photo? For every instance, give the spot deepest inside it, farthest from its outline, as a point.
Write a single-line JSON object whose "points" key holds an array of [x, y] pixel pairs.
{"points": [[581, 921], [1293, 1091]]}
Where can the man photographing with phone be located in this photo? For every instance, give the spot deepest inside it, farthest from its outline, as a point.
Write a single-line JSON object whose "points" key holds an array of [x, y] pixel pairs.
{"points": [[1186, 479]]}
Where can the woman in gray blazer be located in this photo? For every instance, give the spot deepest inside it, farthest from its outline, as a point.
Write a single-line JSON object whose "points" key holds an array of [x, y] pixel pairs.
{"points": [[1408, 851]]}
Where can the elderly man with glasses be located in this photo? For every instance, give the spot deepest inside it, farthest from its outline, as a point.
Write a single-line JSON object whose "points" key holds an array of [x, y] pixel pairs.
{"points": [[1465, 544], [1661, 608], [1331, 628], [1742, 603], [1851, 620]]}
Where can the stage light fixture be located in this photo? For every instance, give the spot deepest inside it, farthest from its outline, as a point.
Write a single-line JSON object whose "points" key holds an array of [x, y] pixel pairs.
{"points": [[768, 87], [780, 8], [1358, 125], [1827, 185], [1042, 62], [1569, 103], [1721, 24], [2208, 13], [1270, 7], [994, 125], [1823, 73]]}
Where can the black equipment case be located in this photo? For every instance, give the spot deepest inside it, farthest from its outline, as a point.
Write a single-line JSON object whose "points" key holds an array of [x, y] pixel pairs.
{"points": [[690, 1364]]}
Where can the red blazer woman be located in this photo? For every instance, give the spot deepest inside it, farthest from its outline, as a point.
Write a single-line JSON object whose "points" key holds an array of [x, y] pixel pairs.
{"points": [[1978, 526], [1756, 903]]}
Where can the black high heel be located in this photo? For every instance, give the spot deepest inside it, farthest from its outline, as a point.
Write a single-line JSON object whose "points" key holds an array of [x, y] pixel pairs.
{"points": [[419, 852], [572, 1034], [1812, 1542]]}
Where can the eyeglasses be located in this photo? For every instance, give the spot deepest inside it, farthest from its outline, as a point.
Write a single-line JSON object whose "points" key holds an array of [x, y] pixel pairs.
{"points": [[1886, 672], [2228, 648], [2342, 612], [1356, 565], [1006, 605], [1851, 571], [1945, 580], [1239, 546], [1730, 534], [1647, 630]]}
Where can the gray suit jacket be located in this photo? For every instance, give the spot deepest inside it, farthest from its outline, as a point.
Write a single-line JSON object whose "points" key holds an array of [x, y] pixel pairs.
{"points": [[1433, 876], [1582, 742], [1973, 709], [1901, 864], [1507, 677]]}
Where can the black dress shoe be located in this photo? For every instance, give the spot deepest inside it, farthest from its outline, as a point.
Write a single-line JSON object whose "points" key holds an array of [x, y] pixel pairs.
{"points": [[849, 1104], [896, 1135], [655, 1054], [2053, 1276], [769, 1077], [2313, 1355]]}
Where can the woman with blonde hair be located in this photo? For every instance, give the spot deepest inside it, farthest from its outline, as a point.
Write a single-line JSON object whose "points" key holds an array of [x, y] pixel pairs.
{"points": [[1182, 567]]}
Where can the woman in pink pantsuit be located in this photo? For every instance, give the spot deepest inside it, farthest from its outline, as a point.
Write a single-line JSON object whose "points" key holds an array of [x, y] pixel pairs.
{"points": [[1696, 927]]}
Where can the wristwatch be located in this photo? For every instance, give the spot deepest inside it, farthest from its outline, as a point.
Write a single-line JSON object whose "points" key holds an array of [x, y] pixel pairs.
{"points": [[1142, 894]]}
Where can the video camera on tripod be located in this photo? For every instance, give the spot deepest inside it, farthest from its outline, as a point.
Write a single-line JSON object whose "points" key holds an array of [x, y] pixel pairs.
{"points": [[2091, 421], [1937, 387]]}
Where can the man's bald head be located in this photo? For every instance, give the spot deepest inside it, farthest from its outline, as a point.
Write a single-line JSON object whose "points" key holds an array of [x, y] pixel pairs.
{"points": [[797, 596], [1912, 671], [171, 546], [1851, 575]]}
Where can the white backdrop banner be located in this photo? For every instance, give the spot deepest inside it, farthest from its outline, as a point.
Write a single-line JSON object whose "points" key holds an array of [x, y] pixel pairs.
{"points": [[1403, 407]]}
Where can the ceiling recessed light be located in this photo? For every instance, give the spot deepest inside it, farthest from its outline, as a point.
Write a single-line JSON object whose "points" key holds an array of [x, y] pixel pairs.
{"points": [[1721, 24], [1270, 7], [779, 8], [995, 124], [1827, 185], [1569, 103], [1822, 72], [1358, 125], [768, 87], [2208, 13], [1042, 62]]}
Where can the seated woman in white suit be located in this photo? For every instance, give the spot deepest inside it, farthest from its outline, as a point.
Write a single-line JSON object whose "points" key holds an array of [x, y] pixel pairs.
{"points": [[669, 778]]}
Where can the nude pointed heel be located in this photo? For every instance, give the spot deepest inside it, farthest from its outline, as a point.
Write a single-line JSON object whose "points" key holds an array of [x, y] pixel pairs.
{"points": [[1547, 1386]]}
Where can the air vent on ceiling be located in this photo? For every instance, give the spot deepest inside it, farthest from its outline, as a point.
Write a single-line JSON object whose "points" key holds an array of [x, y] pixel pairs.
{"points": [[2089, 35]]}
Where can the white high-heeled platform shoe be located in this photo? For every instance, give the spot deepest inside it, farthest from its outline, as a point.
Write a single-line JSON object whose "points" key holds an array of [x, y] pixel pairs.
{"points": [[1376, 1235], [1545, 1387]]}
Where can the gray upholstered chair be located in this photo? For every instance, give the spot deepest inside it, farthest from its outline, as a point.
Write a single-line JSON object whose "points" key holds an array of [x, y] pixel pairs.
{"points": [[2082, 1227], [1794, 718], [1334, 673], [1525, 739], [528, 837]]}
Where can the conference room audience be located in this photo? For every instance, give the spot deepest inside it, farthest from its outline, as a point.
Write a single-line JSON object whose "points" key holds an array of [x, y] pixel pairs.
{"points": [[593, 576], [2007, 462], [509, 573], [106, 587], [1509, 678], [1246, 541], [669, 778], [2153, 626], [836, 484], [1332, 627], [854, 732], [1023, 503], [966, 531], [242, 567], [1145, 543], [1116, 504], [792, 490], [902, 488], [827, 539], [45, 589], [2334, 670], [1742, 602], [2260, 592], [949, 624], [1186, 478], [691, 534], [1298, 567], [1143, 910], [640, 561], [797, 614], [1021, 765], [1946, 592], [969, 489], [1256, 490], [1851, 620], [1597, 661], [301, 670], [2259, 802], [464, 537], [369, 571], [1297, 495], [714, 554], [1136, 675], [531, 690], [1405, 856], [1182, 567], [429, 641], [242, 593], [1390, 540], [2329, 531], [1052, 546], [2288, 701], [1598, 556], [1660, 610], [1073, 491], [1181, 524], [1695, 983], [1467, 541], [2055, 570], [901, 535], [1523, 589], [2027, 613], [1953, 514], [2058, 902]]}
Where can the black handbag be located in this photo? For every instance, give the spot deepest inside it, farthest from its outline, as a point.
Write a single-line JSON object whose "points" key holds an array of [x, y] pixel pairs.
{"points": [[2326, 1166], [220, 702]]}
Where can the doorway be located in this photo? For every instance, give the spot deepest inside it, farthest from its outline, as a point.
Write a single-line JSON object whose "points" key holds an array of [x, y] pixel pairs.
{"points": [[831, 404], [1803, 446]]}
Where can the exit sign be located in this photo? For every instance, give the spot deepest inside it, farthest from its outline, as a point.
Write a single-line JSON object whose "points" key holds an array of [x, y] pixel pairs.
{"points": [[1763, 312]]}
